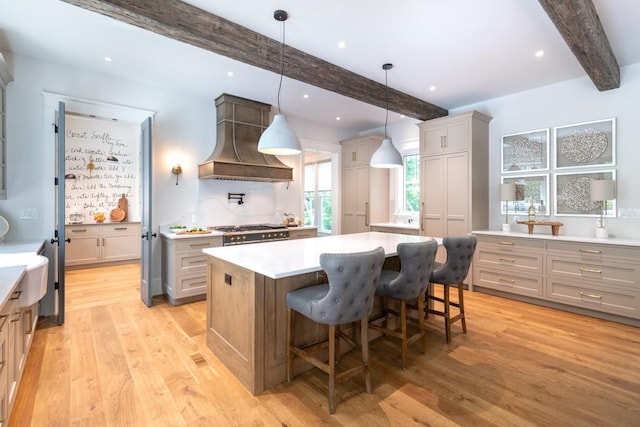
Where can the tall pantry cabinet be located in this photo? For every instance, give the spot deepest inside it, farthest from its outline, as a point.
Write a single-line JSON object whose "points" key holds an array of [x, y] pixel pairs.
{"points": [[454, 175], [365, 190]]}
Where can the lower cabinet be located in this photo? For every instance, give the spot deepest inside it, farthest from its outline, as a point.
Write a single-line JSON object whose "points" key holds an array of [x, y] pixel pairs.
{"points": [[302, 233], [412, 231], [14, 346], [184, 267], [587, 274], [102, 243]]}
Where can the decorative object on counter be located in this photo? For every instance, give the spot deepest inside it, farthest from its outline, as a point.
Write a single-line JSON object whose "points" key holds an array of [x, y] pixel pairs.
{"points": [[123, 204], [76, 216], [177, 228], [386, 156], [526, 151], [4, 227], [555, 226], [278, 138], [532, 212], [177, 170], [290, 219], [236, 196], [602, 190], [99, 217], [586, 144], [116, 215], [194, 230], [507, 194]]}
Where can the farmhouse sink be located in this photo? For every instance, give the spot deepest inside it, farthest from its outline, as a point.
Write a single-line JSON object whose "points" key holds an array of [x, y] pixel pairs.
{"points": [[34, 282]]}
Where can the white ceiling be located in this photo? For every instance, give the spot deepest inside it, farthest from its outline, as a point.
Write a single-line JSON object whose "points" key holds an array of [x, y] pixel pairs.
{"points": [[471, 50]]}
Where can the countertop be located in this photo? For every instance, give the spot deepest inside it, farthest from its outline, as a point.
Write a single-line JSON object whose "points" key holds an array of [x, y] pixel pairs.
{"points": [[406, 225], [578, 239], [171, 235], [27, 247], [286, 258], [12, 255], [9, 279]]}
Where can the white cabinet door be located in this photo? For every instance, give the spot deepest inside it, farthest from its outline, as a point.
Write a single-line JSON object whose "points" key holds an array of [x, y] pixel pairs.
{"points": [[84, 247], [120, 242], [433, 188], [456, 194]]}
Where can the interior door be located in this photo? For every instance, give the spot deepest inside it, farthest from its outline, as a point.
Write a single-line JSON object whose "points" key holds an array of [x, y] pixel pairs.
{"points": [[59, 234], [146, 291]]}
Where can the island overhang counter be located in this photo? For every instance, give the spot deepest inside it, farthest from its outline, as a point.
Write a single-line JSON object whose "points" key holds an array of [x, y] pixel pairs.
{"points": [[246, 299]]}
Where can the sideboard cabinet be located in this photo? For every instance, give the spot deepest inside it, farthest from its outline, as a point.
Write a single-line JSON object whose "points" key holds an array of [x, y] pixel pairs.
{"points": [[102, 243]]}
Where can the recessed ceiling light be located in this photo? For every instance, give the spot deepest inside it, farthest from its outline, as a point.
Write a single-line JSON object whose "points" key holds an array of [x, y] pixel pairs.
{"points": [[107, 58], [338, 118], [230, 73], [342, 44], [432, 88], [305, 96], [402, 116], [540, 54]]}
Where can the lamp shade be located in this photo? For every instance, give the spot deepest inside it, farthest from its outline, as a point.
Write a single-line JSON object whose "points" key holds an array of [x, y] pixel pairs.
{"points": [[386, 156], [279, 139], [507, 192], [602, 190]]}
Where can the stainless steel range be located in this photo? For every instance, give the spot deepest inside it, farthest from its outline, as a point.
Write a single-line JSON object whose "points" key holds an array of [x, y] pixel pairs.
{"points": [[244, 234]]}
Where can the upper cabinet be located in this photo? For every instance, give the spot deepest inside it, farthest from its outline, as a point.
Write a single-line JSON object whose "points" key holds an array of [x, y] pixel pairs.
{"points": [[5, 78], [447, 134]]}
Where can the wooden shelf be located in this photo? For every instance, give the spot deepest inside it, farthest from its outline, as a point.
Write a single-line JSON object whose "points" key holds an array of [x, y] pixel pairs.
{"points": [[555, 226]]}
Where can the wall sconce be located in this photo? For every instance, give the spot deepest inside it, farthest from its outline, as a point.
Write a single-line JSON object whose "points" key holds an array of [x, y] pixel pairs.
{"points": [[602, 191], [236, 196], [177, 170]]}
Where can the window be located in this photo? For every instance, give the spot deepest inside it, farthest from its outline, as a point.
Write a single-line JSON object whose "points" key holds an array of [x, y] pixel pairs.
{"points": [[317, 195], [411, 183]]}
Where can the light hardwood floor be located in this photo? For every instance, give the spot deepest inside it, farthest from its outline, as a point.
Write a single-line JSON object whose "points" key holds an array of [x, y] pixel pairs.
{"points": [[116, 362]]}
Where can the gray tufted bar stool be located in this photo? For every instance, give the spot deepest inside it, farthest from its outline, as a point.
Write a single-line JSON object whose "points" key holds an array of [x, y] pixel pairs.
{"points": [[406, 286], [347, 298], [460, 252]]}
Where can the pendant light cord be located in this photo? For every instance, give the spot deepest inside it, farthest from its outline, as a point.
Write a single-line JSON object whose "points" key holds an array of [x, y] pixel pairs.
{"points": [[386, 83], [281, 63]]}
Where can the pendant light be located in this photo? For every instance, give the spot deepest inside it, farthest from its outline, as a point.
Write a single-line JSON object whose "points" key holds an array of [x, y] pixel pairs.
{"points": [[278, 138], [386, 156]]}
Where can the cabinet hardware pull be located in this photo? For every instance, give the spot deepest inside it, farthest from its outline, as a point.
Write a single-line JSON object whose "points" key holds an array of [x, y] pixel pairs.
{"points": [[506, 243], [14, 296], [103, 241], [507, 259], [354, 156], [422, 218], [366, 214], [445, 141], [590, 270], [17, 318], [97, 241], [120, 228], [28, 332], [4, 318], [590, 251], [198, 245], [79, 230], [590, 295], [441, 141], [511, 281]]}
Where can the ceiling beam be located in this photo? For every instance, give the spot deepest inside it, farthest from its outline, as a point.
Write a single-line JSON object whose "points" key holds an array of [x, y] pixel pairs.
{"points": [[188, 24], [579, 24]]}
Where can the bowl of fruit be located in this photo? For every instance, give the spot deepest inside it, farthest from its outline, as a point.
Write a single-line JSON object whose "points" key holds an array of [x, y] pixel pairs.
{"points": [[99, 217], [177, 228]]}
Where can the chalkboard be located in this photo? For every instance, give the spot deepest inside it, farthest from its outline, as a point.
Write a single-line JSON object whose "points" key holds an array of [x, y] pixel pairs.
{"points": [[102, 162]]}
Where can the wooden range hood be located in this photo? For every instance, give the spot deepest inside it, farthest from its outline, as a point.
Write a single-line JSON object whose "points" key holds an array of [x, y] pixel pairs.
{"points": [[239, 124]]}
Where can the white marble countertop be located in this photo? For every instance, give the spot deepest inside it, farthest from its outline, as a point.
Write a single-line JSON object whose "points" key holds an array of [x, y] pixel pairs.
{"points": [[407, 225], [176, 236], [303, 227], [578, 239], [292, 257], [9, 279]]}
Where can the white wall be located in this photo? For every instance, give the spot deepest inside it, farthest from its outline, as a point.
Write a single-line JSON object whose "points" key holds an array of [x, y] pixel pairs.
{"points": [[183, 131]]}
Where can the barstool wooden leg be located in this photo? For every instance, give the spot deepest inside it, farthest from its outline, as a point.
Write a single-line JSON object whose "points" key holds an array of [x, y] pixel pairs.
{"points": [[403, 328], [422, 314], [364, 339], [332, 369], [447, 313], [461, 307], [290, 354]]}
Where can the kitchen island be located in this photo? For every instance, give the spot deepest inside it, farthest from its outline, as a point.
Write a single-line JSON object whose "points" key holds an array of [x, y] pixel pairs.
{"points": [[246, 299]]}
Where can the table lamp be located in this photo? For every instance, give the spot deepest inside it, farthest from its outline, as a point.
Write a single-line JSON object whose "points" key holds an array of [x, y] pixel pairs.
{"points": [[507, 193], [601, 191]]}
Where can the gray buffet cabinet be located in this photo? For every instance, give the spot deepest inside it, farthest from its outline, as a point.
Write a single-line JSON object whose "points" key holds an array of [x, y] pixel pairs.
{"points": [[595, 277]]}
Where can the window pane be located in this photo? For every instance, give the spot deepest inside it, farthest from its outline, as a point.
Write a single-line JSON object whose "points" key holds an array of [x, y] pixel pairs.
{"points": [[309, 207], [411, 185], [325, 211], [310, 177], [324, 176]]}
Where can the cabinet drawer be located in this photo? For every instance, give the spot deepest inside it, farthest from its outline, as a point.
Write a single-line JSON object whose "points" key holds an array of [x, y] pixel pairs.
{"points": [[196, 244], [191, 263], [191, 285], [115, 229], [509, 282], [510, 244], [594, 297], [81, 231], [593, 252], [607, 271], [512, 260]]}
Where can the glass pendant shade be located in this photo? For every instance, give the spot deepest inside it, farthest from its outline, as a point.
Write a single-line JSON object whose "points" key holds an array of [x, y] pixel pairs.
{"points": [[386, 156], [279, 139]]}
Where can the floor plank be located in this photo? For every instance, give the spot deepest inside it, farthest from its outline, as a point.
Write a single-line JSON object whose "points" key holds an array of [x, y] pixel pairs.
{"points": [[116, 362]]}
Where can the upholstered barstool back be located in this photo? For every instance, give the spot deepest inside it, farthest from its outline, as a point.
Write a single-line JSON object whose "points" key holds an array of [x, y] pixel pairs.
{"points": [[349, 297], [460, 252], [417, 261]]}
